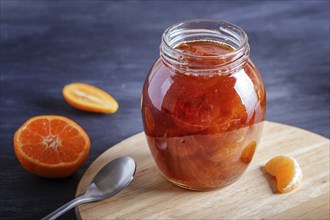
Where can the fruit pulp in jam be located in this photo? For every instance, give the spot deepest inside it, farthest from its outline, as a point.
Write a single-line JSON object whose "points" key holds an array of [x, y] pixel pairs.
{"points": [[202, 129]]}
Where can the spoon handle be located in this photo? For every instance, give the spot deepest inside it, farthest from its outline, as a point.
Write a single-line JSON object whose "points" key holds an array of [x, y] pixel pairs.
{"points": [[66, 207]]}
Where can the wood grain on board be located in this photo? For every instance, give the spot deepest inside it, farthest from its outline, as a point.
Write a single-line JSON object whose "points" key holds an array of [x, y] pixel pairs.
{"points": [[150, 196]]}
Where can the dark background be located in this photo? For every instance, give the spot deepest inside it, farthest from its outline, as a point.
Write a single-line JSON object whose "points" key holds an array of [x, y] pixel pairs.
{"points": [[48, 44]]}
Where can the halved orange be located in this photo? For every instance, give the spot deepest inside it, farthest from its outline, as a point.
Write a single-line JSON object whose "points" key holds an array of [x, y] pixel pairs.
{"points": [[51, 146], [287, 172], [89, 98]]}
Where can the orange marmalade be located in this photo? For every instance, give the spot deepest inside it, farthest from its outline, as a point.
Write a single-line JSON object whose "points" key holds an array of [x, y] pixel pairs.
{"points": [[203, 114]]}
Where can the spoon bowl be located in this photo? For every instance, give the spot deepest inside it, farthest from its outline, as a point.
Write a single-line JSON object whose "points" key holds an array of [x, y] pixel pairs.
{"points": [[109, 181]]}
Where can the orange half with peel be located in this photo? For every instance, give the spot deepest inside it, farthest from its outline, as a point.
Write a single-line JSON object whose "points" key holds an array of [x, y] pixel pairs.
{"points": [[51, 146], [89, 98]]}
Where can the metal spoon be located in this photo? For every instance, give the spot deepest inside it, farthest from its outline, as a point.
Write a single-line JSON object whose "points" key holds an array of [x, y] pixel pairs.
{"points": [[109, 181]]}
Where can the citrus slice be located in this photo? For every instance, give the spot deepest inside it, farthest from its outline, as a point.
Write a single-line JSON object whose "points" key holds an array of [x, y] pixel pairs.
{"points": [[51, 146], [287, 172], [89, 98]]}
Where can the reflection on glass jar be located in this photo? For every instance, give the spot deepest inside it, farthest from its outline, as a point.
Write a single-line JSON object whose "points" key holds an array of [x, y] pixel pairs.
{"points": [[203, 104]]}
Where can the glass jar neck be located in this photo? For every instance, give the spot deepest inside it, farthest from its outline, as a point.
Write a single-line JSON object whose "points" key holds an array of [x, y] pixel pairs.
{"points": [[204, 30]]}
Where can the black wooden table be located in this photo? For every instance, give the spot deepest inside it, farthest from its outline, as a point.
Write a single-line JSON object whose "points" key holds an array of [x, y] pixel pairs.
{"points": [[48, 44]]}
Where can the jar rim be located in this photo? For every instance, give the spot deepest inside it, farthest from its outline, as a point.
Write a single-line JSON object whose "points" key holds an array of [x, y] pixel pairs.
{"points": [[243, 46]]}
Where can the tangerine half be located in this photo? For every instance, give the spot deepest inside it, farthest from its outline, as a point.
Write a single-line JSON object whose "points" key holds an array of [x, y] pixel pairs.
{"points": [[51, 146], [89, 98]]}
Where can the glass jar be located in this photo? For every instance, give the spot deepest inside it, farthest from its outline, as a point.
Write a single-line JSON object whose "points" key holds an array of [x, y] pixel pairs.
{"points": [[203, 104]]}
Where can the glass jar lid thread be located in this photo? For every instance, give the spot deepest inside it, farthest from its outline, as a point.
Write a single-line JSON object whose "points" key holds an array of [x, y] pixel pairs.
{"points": [[204, 30]]}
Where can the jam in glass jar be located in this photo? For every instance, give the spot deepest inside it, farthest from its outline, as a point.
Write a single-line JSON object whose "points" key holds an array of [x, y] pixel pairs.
{"points": [[203, 105]]}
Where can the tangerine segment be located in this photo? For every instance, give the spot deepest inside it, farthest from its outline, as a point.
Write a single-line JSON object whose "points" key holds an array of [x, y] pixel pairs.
{"points": [[89, 98], [287, 172], [51, 146], [248, 152]]}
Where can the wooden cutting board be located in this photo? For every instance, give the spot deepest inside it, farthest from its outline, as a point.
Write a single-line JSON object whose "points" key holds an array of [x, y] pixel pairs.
{"points": [[150, 196]]}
